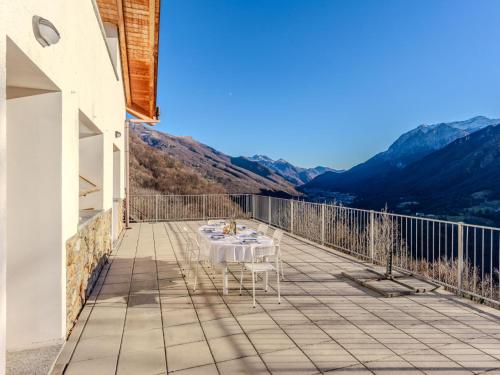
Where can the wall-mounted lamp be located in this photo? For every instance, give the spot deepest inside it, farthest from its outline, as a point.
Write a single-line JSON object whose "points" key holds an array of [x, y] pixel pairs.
{"points": [[118, 134], [45, 32]]}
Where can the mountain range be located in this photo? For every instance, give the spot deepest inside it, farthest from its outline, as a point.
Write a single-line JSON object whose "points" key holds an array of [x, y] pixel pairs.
{"points": [[450, 170], [293, 174], [462, 174], [194, 162], [443, 169], [192, 166]]}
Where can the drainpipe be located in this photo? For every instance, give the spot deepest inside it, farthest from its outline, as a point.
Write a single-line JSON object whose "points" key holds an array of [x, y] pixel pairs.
{"points": [[129, 121]]}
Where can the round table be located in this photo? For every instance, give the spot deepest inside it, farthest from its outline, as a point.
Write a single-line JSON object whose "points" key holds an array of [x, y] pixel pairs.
{"points": [[222, 249]]}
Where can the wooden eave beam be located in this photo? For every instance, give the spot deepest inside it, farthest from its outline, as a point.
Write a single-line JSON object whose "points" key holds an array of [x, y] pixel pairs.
{"points": [[138, 35], [152, 65], [123, 52], [139, 114]]}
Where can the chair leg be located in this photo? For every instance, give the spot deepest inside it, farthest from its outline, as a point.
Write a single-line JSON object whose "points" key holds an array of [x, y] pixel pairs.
{"points": [[196, 275], [282, 272], [253, 287], [241, 278], [189, 265], [186, 274], [266, 282], [278, 284]]}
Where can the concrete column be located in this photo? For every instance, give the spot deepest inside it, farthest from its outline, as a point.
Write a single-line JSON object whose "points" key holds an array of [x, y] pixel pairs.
{"points": [[35, 271], [3, 189]]}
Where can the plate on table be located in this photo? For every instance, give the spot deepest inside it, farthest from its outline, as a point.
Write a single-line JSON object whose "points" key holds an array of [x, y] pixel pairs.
{"points": [[249, 240], [217, 236]]}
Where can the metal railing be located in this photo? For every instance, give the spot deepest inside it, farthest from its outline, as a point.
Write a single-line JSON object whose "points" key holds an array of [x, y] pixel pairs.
{"points": [[146, 208], [463, 257]]}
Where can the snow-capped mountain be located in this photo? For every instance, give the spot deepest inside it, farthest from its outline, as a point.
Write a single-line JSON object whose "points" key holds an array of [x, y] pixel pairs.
{"points": [[417, 143], [295, 175], [407, 149]]}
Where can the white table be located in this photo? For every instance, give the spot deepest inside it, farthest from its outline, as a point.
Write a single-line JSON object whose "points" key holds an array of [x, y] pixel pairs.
{"points": [[223, 249]]}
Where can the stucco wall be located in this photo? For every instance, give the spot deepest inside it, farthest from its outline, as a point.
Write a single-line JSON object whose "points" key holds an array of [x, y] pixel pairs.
{"points": [[81, 70], [86, 253], [3, 189], [33, 218], [80, 66]]}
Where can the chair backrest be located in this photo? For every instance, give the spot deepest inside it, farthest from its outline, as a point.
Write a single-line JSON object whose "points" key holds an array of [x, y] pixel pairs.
{"points": [[263, 228], [190, 237], [264, 251], [185, 234], [269, 251], [277, 236]]}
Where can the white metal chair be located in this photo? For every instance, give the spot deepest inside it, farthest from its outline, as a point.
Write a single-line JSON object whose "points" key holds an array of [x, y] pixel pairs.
{"points": [[191, 252], [198, 257], [277, 236], [188, 249], [264, 259], [262, 228]]}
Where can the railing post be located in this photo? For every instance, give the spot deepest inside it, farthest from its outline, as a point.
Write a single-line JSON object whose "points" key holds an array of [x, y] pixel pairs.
{"points": [[247, 205], [269, 210], [253, 206], [291, 215], [372, 236], [322, 224], [204, 200], [156, 207], [460, 244]]}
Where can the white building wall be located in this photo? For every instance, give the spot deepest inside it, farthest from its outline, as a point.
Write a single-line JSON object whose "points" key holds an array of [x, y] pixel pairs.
{"points": [[3, 189], [35, 265], [80, 66]]}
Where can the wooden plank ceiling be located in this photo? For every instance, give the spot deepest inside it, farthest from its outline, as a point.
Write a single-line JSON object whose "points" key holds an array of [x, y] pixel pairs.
{"points": [[138, 24]]}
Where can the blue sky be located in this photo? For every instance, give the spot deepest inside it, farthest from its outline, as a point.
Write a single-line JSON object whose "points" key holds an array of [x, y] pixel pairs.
{"points": [[324, 82]]}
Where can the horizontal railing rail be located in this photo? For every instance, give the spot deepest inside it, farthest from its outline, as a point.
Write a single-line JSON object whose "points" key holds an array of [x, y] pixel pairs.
{"points": [[144, 208], [463, 257]]}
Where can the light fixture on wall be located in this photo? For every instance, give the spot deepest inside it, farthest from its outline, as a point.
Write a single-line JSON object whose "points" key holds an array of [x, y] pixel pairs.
{"points": [[118, 134], [45, 32]]}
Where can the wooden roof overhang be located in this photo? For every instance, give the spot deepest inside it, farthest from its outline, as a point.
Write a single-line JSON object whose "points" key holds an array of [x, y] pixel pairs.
{"points": [[138, 23]]}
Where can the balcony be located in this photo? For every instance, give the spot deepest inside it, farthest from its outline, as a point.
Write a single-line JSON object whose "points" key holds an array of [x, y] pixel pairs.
{"points": [[144, 318]]}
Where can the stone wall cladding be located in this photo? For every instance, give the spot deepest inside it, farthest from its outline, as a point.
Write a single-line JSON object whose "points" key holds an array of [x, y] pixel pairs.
{"points": [[86, 253], [121, 216]]}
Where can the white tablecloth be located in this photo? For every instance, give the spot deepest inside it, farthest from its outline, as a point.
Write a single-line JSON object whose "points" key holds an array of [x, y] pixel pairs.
{"points": [[230, 248]]}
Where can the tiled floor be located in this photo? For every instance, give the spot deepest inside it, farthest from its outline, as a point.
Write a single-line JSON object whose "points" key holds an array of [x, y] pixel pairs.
{"points": [[143, 318]]}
